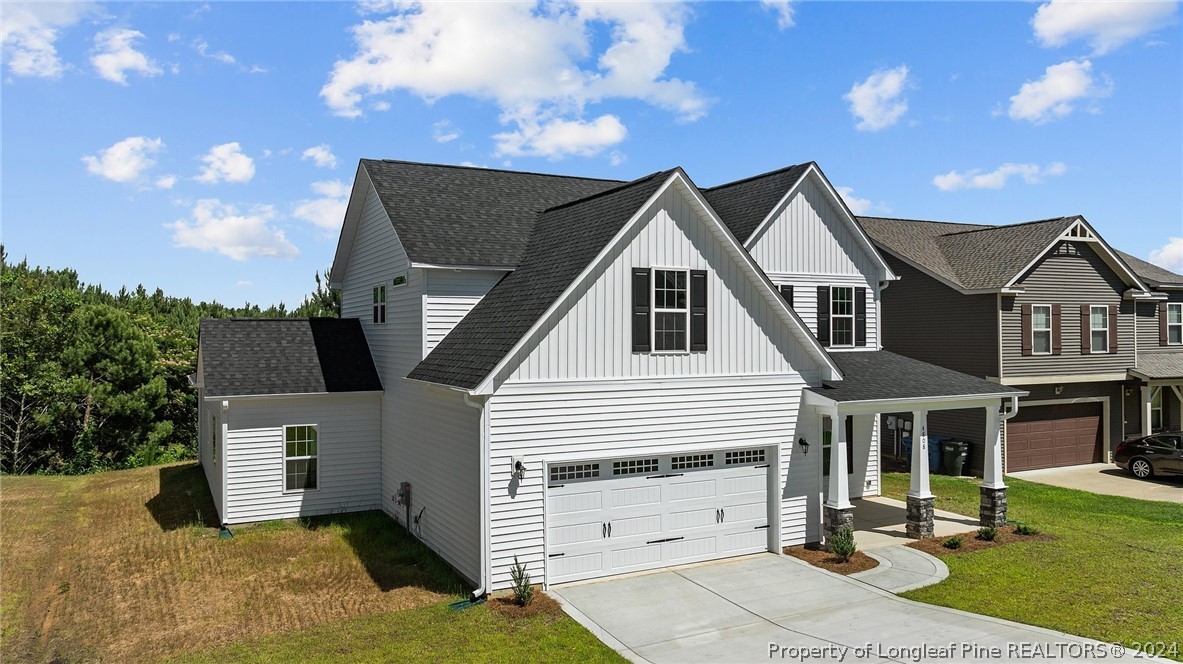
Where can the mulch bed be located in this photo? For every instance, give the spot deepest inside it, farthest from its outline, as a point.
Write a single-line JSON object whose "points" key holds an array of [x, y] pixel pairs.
{"points": [[859, 562], [542, 604], [970, 541]]}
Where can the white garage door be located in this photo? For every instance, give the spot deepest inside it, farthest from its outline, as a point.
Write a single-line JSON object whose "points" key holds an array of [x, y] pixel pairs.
{"points": [[625, 515]]}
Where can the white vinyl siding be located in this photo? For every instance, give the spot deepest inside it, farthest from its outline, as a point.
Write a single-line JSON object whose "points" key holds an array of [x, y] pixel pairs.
{"points": [[1041, 329], [448, 296], [348, 446]]}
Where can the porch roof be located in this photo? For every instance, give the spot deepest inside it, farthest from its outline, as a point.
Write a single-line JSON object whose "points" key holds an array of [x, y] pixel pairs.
{"points": [[883, 376], [1156, 366]]}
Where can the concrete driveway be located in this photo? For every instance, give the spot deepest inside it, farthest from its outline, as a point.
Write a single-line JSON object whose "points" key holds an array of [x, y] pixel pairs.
{"points": [[772, 608], [1108, 479]]}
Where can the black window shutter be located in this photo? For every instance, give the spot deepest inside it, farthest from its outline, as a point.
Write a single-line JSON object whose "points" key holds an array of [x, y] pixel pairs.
{"points": [[823, 315], [849, 445], [786, 291], [698, 310], [641, 294], [860, 316]]}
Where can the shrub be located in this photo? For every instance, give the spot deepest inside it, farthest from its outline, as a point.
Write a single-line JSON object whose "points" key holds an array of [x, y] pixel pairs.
{"points": [[523, 592], [987, 534], [1024, 529], [842, 543], [953, 542]]}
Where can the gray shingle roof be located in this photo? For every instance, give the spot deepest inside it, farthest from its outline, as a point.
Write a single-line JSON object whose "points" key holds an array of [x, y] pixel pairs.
{"points": [[454, 215], [565, 240], [972, 256], [743, 204], [259, 356], [1150, 273], [882, 374], [1160, 365]]}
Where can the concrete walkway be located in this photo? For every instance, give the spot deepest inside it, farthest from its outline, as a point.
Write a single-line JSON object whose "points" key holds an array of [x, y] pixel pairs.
{"points": [[902, 569], [1107, 479], [880, 522], [769, 607]]}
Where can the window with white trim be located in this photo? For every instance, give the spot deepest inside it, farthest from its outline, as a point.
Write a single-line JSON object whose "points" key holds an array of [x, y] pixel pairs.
{"points": [[1099, 328], [380, 304], [1041, 329], [1175, 323], [300, 457], [671, 310], [1156, 408], [841, 316]]}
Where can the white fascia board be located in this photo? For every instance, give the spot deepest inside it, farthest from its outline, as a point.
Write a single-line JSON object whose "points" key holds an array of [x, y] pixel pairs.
{"points": [[298, 395], [947, 402], [486, 268], [1065, 379], [1107, 255], [1143, 296], [353, 211], [868, 245]]}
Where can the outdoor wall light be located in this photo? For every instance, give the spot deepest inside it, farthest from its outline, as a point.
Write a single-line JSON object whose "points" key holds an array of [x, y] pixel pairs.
{"points": [[518, 468], [1059, 389], [804, 446]]}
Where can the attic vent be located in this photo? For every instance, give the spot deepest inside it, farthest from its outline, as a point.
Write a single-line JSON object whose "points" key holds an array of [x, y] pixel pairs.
{"points": [[634, 466], [745, 456], [1080, 232]]}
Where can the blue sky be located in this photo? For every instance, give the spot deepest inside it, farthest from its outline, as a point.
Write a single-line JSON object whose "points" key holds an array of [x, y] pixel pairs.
{"points": [[207, 149]]}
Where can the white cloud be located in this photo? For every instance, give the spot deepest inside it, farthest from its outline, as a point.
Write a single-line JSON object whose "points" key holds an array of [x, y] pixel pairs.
{"points": [[1105, 25], [203, 49], [243, 283], [218, 226], [783, 10], [28, 32], [541, 66], [115, 55], [174, 37], [1056, 94], [328, 211], [1170, 255], [559, 138], [125, 161], [444, 132], [321, 154], [997, 178], [166, 181], [877, 102], [227, 163], [860, 206]]}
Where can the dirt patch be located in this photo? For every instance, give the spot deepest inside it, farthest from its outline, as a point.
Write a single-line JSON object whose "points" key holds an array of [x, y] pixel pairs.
{"points": [[542, 604], [859, 562], [970, 542]]}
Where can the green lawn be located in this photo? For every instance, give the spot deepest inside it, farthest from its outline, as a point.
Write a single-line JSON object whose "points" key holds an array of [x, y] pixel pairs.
{"points": [[1115, 573]]}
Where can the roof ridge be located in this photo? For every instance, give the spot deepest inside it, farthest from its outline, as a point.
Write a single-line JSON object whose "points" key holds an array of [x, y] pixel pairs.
{"points": [[613, 190], [494, 170], [1022, 223], [927, 221], [757, 177]]}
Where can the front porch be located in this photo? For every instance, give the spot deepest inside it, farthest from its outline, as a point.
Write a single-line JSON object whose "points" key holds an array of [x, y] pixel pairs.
{"points": [[880, 522]]}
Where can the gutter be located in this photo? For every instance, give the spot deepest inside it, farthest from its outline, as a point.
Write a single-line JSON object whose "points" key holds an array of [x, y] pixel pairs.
{"points": [[483, 579]]}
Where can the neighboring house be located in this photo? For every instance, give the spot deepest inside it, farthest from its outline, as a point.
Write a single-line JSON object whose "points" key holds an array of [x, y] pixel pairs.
{"points": [[1154, 395], [596, 376], [1047, 306]]}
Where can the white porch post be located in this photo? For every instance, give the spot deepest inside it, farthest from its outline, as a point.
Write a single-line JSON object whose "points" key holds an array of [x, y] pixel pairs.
{"points": [[839, 494], [992, 506], [920, 485], [920, 498], [1146, 389]]}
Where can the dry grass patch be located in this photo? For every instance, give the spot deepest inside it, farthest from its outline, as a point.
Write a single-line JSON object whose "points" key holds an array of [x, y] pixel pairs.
{"points": [[859, 562], [127, 566]]}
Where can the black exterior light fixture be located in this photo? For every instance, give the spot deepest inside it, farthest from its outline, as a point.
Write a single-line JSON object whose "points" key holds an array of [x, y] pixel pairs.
{"points": [[804, 446]]}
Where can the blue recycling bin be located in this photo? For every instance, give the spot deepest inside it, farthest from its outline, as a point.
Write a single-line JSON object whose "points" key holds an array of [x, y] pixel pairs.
{"points": [[934, 451]]}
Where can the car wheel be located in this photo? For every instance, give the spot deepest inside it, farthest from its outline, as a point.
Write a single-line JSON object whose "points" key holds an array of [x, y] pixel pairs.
{"points": [[1141, 468]]}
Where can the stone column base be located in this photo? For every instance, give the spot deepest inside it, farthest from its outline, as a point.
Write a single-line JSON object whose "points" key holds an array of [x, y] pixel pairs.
{"points": [[992, 512], [833, 520], [920, 515]]}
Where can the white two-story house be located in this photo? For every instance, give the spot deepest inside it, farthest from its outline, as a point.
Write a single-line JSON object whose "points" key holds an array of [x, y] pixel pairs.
{"points": [[594, 376]]}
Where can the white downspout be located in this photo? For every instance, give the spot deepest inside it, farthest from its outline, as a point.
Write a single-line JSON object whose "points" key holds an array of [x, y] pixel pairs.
{"points": [[484, 500]]}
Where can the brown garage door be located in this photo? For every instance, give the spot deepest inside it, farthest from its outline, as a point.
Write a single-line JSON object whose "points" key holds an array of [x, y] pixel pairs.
{"points": [[1049, 436]]}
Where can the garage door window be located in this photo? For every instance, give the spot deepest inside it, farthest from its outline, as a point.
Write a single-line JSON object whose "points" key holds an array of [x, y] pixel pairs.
{"points": [[690, 461], [299, 457], [745, 456], [634, 466], [579, 471]]}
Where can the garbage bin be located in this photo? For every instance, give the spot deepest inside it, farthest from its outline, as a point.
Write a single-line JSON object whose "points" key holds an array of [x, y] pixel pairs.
{"points": [[934, 452], [954, 453]]}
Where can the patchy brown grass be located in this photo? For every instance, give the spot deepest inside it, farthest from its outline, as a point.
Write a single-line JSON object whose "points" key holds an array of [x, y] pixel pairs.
{"points": [[127, 566], [970, 542], [542, 604], [859, 562]]}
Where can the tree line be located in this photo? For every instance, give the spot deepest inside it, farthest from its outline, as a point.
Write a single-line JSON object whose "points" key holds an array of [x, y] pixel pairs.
{"points": [[92, 380]]}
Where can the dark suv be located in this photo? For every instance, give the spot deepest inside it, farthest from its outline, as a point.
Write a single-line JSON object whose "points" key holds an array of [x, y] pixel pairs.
{"points": [[1147, 456]]}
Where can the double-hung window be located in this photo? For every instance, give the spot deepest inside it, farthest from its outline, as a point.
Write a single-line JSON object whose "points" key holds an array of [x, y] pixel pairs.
{"points": [[841, 316], [299, 458], [380, 304], [1175, 323], [671, 310], [1099, 328], [1041, 329]]}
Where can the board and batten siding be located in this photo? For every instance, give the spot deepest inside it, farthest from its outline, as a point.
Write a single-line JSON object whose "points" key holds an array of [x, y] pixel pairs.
{"points": [[589, 335], [448, 296], [1071, 275], [805, 300], [865, 453], [569, 421], [347, 446], [430, 438], [929, 321]]}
